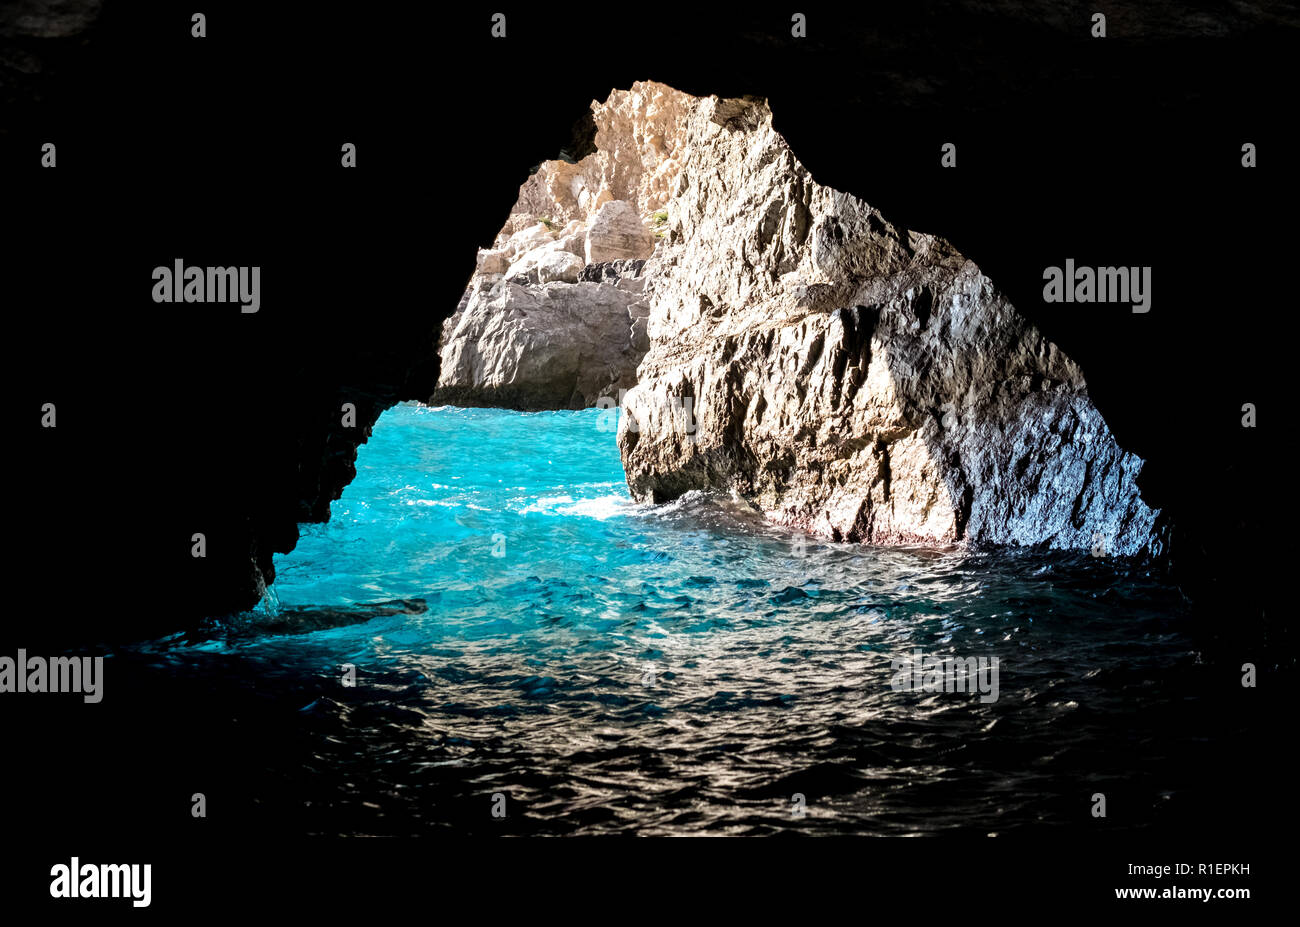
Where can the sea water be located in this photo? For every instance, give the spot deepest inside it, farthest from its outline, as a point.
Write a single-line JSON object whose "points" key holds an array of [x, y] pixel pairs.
{"points": [[490, 635]]}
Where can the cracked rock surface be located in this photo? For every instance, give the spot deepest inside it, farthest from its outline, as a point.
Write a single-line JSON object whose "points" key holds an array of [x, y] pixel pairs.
{"points": [[853, 379]]}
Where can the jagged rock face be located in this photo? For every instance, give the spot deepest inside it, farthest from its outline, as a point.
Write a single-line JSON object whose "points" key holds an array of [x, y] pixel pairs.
{"points": [[553, 316], [559, 267], [637, 136], [617, 234], [541, 328], [561, 345], [859, 381]]}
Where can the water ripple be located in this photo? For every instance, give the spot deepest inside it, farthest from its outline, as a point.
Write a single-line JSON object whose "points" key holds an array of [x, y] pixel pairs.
{"points": [[518, 625]]}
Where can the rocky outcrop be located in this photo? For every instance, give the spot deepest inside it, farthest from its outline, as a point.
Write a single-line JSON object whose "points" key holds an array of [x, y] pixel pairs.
{"points": [[538, 327], [589, 225], [635, 158], [553, 316], [617, 234], [559, 267], [555, 345], [849, 378], [856, 380]]}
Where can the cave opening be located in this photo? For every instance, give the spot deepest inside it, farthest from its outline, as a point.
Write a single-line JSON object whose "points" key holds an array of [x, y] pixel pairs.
{"points": [[633, 272], [513, 622], [597, 543]]}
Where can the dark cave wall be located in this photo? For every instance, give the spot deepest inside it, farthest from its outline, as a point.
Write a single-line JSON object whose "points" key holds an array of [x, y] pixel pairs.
{"points": [[175, 419]]}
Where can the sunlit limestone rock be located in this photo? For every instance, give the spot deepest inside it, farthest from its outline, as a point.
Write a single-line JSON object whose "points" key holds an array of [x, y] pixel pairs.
{"points": [[617, 234], [587, 225], [575, 243], [637, 139], [492, 261], [559, 267], [534, 347], [856, 380], [529, 239]]}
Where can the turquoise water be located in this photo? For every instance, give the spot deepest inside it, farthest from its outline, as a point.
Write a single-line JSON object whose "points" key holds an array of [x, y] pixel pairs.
{"points": [[518, 626], [504, 522], [468, 504]]}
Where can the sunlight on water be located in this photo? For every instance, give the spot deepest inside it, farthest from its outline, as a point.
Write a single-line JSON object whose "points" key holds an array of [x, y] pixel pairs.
{"points": [[449, 500], [516, 621]]}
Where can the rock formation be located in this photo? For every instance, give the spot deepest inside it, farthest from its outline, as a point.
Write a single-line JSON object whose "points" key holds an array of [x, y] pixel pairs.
{"points": [[553, 316], [539, 327], [856, 103], [849, 378], [549, 345], [856, 380], [617, 234]]}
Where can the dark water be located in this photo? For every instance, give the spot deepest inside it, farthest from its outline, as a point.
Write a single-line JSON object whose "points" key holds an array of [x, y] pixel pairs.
{"points": [[519, 627]]}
